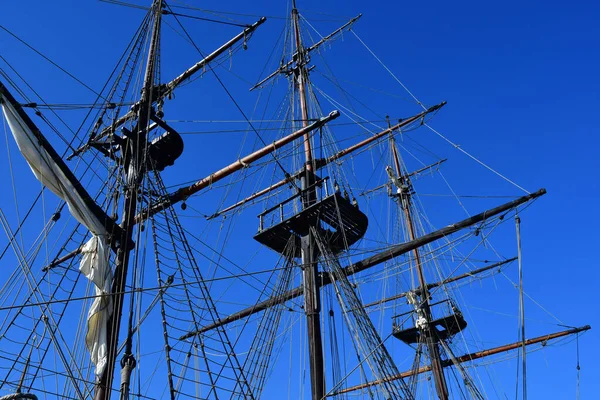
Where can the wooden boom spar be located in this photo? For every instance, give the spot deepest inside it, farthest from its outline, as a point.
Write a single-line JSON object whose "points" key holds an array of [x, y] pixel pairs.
{"points": [[320, 163], [245, 35], [187, 191], [388, 254], [168, 88], [381, 134], [469, 357]]}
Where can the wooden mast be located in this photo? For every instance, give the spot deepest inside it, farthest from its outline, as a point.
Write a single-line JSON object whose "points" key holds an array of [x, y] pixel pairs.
{"points": [[423, 309], [133, 165], [312, 307]]}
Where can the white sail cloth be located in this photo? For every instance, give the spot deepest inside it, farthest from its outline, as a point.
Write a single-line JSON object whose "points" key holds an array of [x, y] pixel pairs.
{"points": [[95, 253], [94, 265]]}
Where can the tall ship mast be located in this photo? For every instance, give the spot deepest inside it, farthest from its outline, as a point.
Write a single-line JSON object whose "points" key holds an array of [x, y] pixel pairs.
{"points": [[292, 255]]}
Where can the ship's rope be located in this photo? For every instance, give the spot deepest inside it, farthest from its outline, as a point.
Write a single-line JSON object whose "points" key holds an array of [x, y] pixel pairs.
{"points": [[475, 393], [184, 307], [51, 62], [68, 143], [334, 80], [286, 16], [389, 71], [227, 227], [14, 188], [451, 274], [258, 361], [207, 19], [371, 347], [142, 290], [399, 267], [514, 284], [341, 380], [459, 148], [46, 315], [361, 85], [242, 271], [61, 286], [334, 347], [380, 120], [414, 378], [254, 169]]}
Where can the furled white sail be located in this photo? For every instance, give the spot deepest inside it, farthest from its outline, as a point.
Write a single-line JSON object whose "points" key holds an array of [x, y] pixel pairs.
{"points": [[95, 253], [94, 265]]}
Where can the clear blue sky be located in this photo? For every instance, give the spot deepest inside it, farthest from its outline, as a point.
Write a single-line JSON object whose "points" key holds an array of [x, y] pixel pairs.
{"points": [[521, 81]]}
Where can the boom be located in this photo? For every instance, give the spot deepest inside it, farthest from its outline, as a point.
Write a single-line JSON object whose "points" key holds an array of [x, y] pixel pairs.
{"points": [[470, 357]]}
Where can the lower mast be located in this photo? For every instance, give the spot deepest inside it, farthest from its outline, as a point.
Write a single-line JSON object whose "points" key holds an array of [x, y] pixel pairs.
{"points": [[312, 306], [133, 165]]}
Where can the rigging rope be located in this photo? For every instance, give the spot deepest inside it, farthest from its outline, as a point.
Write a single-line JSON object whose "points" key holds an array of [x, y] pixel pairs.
{"points": [[52, 62], [388, 70], [47, 315], [458, 147], [205, 19], [368, 342], [222, 84]]}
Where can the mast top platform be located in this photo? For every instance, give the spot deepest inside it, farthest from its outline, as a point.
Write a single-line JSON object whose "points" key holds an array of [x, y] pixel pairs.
{"points": [[445, 327], [341, 222]]}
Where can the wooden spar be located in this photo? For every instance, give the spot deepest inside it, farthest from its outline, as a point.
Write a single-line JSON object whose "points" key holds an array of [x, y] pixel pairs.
{"points": [[373, 138], [425, 168], [307, 50], [170, 87], [254, 196], [469, 357], [201, 64], [403, 248], [62, 259], [321, 163], [388, 254], [444, 282], [187, 191]]}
